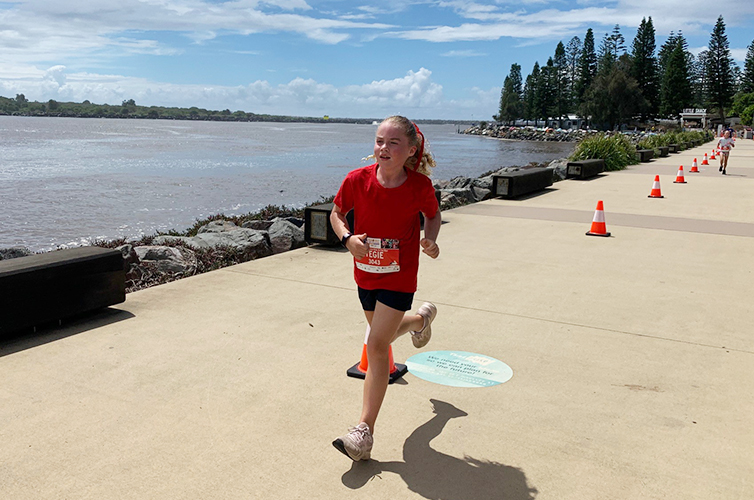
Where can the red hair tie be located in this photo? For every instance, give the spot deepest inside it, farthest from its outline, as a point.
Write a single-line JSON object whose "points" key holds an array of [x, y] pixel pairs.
{"points": [[420, 150]]}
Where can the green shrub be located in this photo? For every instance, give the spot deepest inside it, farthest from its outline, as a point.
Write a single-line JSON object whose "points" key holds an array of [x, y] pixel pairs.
{"points": [[617, 151], [747, 115], [647, 143], [673, 138]]}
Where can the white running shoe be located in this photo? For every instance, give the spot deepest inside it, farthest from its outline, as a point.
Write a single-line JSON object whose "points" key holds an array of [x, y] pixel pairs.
{"points": [[428, 311], [357, 444]]}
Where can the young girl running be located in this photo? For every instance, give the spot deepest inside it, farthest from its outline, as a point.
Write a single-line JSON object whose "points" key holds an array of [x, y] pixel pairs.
{"points": [[724, 145], [387, 198]]}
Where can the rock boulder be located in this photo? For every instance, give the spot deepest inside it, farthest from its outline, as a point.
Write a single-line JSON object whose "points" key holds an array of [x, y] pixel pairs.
{"points": [[14, 252], [176, 260], [284, 236]]}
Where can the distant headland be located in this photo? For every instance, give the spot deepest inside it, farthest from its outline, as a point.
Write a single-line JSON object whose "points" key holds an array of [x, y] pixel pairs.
{"points": [[21, 106]]}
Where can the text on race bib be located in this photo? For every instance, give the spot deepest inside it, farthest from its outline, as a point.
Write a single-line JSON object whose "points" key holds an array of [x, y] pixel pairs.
{"points": [[383, 256]]}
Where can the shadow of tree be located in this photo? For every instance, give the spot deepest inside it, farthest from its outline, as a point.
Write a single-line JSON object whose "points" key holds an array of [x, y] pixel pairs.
{"points": [[435, 475]]}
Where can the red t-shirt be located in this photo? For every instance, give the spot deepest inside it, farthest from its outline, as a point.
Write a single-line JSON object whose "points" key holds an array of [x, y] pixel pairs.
{"points": [[392, 214]]}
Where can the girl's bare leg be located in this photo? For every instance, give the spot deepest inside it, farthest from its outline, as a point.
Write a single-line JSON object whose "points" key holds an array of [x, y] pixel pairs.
{"points": [[410, 322], [386, 324]]}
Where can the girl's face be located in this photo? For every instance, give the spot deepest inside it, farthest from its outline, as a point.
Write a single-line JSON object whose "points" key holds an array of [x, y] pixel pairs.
{"points": [[391, 146]]}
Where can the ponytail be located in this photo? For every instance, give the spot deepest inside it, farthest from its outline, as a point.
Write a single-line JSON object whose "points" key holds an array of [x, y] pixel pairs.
{"points": [[422, 161]]}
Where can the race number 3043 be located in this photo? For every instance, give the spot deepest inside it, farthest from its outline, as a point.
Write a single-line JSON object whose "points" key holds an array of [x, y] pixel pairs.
{"points": [[383, 256]]}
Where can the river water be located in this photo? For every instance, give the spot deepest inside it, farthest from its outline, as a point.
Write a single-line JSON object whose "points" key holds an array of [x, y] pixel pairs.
{"points": [[68, 181]]}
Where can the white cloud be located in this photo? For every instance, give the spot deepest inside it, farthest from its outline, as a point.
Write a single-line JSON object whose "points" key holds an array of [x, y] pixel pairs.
{"points": [[38, 34], [386, 7], [463, 53], [199, 37], [49, 30], [415, 93], [57, 74], [509, 19], [739, 54], [469, 9]]}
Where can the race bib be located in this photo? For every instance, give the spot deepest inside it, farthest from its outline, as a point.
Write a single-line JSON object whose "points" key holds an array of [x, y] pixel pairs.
{"points": [[383, 256]]}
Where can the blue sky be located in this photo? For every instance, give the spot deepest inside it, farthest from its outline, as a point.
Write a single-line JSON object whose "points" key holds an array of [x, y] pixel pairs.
{"points": [[425, 59]]}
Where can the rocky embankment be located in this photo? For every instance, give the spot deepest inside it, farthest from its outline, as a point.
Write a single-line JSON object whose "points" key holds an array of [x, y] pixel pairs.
{"points": [[159, 259], [154, 260], [529, 133], [464, 190], [217, 244], [14, 252]]}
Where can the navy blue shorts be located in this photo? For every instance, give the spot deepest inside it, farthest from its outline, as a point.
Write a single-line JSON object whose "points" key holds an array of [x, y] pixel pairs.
{"points": [[397, 300]]}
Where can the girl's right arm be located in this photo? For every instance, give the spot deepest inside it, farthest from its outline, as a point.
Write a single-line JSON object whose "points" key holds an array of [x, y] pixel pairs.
{"points": [[356, 243]]}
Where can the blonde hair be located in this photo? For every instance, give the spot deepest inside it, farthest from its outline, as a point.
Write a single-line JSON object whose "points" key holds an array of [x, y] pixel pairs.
{"points": [[417, 139]]}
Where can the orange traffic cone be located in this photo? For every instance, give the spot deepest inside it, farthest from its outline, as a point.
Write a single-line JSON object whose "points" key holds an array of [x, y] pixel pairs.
{"points": [[359, 370], [694, 167], [704, 161], [712, 156], [655, 193], [598, 223], [679, 176]]}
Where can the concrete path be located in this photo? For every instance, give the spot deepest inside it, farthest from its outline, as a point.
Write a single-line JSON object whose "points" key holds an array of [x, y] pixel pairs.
{"points": [[632, 358]]}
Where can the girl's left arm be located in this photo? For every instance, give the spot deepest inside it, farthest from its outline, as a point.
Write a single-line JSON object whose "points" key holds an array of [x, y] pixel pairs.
{"points": [[431, 230]]}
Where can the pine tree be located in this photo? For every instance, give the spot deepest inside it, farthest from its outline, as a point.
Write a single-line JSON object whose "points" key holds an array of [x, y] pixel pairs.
{"points": [[747, 77], [605, 56], [737, 77], [618, 43], [675, 89], [644, 68], [698, 78], [573, 55], [664, 54], [719, 70], [614, 97], [613, 46], [546, 90], [511, 107], [560, 75], [587, 67]]}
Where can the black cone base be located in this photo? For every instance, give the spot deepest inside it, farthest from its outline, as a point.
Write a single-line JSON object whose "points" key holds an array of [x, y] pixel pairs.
{"points": [[589, 233], [400, 370]]}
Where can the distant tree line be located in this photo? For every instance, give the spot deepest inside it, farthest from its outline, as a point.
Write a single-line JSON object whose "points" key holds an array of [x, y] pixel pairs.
{"points": [[129, 109], [20, 105], [612, 86]]}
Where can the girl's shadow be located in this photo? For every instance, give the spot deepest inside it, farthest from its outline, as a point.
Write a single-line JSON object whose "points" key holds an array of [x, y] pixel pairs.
{"points": [[436, 475]]}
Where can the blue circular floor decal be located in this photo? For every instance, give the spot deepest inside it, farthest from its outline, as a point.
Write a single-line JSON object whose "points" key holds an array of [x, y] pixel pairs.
{"points": [[459, 369]]}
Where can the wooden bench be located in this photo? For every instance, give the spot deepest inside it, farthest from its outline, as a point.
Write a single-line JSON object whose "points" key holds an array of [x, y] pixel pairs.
{"points": [[584, 169], [646, 154], [53, 286], [521, 182], [318, 229]]}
